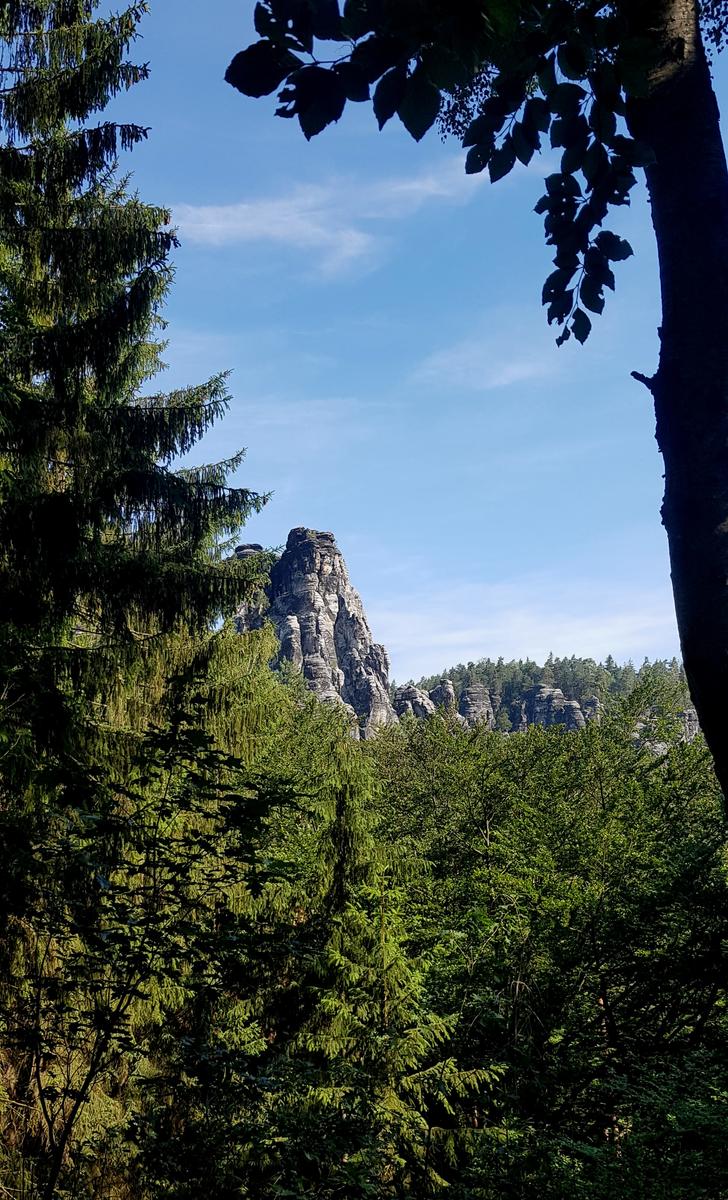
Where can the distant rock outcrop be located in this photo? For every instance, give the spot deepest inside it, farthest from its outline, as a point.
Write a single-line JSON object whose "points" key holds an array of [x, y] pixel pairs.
{"points": [[409, 701], [546, 705], [322, 629], [443, 696], [689, 718], [591, 708], [476, 706]]}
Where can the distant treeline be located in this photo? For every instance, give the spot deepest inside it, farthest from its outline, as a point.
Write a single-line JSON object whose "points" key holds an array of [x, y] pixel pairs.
{"points": [[578, 678]]}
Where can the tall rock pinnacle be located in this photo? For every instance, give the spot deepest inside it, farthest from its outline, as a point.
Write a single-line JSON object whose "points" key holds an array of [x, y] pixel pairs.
{"points": [[322, 629]]}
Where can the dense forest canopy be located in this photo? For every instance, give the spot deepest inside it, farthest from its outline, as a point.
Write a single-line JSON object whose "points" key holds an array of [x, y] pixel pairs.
{"points": [[241, 954]]}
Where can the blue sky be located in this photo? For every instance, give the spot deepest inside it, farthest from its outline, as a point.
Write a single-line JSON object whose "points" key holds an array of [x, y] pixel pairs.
{"points": [[394, 379]]}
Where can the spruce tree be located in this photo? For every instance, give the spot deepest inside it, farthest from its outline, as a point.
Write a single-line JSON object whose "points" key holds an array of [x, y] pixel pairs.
{"points": [[113, 562], [105, 546]]}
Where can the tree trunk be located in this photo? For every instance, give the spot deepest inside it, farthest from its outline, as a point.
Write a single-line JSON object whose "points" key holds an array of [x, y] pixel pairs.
{"points": [[688, 190]]}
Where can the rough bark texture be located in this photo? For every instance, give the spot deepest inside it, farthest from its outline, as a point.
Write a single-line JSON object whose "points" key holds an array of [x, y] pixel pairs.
{"points": [[688, 189]]}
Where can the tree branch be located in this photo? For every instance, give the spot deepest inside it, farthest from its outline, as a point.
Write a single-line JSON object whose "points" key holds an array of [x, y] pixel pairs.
{"points": [[648, 380]]}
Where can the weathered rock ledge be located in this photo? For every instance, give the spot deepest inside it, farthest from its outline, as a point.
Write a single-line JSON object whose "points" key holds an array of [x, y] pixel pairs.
{"points": [[540, 705]]}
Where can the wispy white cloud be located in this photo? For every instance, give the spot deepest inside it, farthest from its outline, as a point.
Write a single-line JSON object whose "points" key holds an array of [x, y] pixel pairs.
{"points": [[510, 347], [292, 439], [436, 628], [304, 221], [342, 222]]}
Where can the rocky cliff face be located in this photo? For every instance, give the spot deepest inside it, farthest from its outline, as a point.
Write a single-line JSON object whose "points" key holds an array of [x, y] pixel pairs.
{"points": [[548, 706], [476, 706], [410, 701], [322, 629], [540, 705]]}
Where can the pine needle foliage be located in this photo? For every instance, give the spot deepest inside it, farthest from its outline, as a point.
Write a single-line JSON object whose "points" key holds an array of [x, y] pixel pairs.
{"points": [[114, 575], [107, 546], [241, 955], [578, 913], [105, 543]]}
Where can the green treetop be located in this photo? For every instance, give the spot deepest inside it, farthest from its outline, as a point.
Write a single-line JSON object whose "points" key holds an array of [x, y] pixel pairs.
{"points": [[106, 546]]}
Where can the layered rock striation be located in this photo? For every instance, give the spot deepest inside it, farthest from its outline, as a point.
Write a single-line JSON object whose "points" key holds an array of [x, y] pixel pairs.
{"points": [[475, 706], [322, 629], [544, 705]]}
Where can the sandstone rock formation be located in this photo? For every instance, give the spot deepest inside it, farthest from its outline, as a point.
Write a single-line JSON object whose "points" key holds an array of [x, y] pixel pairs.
{"points": [[476, 707], [443, 696], [322, 629], [592, 708], [409, 701], [689, 718], [546, 705]]}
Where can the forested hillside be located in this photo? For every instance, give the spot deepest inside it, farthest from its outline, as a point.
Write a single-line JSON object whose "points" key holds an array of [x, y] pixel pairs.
{"points": [[242, 955], [578, 678]]}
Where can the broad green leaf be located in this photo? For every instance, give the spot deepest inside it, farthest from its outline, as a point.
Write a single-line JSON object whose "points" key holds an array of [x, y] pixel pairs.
{"points": [[264, 21], [556, 284], [420, 104], [595, 164], [591, 295], [326, 20], [523, 144], [572, 159], [445, 68], [320, 99], [476, 160], [571, 132], [573, 60], [603, 121], [566, 259], [605, 85], [560, 307], [580, 325], [597, 267], [615, 248], [356, 20], [376, 55], [480, 131], [261, 68], [565, 100], [353, 81], [537, 114], [547, 80], [562, 185], [388, 94], [502, 160], [503, 16]]}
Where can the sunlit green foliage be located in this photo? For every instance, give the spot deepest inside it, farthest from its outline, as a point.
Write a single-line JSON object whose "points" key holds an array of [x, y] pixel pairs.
{"points": [[572, 897], [242, 955], [112, 576]]}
